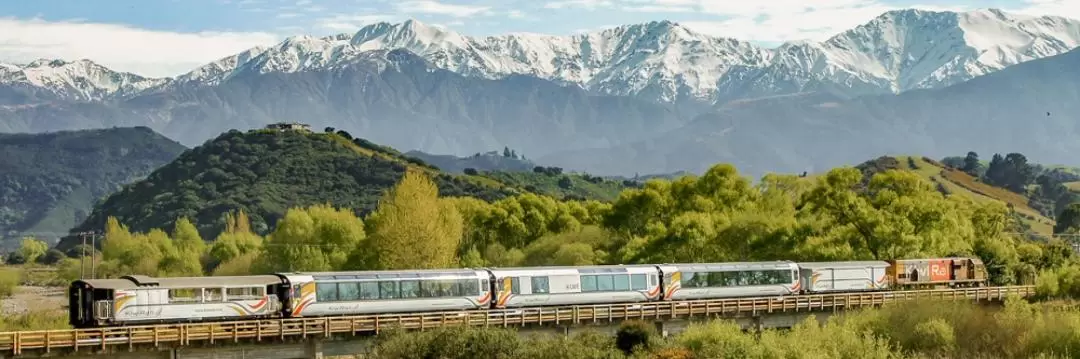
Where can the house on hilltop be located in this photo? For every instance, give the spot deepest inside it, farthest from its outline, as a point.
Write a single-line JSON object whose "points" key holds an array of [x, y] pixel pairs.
{"points": [[291, 126]]}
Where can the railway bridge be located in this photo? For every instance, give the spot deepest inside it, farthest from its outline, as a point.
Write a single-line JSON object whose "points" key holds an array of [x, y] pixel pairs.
{"points": [[350, 335]]}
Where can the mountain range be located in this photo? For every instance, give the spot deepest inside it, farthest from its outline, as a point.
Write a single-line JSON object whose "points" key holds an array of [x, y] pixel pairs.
{"points": [[656, 95]]}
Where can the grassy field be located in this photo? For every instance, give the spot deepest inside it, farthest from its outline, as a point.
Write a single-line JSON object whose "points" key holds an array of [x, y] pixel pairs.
{"points": [[960, 183]]}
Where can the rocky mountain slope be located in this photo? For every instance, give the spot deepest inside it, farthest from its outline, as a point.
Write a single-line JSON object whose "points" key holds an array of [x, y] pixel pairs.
{"points": [[664, 61], [46, 80], [1032, 108], [393, 97]]}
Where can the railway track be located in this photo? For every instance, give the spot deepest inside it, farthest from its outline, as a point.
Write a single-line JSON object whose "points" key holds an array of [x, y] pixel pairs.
{"points": [[174, 335]]}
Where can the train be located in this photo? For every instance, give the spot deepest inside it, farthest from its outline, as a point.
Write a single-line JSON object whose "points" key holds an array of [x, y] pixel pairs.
{"points": [[139, 299]]}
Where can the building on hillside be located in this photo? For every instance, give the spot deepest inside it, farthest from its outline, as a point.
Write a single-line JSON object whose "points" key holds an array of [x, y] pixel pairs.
{"points": [[290, 126]]}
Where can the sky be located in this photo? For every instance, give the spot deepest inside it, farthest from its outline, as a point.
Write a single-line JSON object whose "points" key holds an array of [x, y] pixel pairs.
{"points": [[170, 37]]}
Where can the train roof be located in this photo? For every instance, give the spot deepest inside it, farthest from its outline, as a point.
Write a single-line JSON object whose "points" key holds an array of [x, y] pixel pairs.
{"points": [[209, 282], [731, 265], [141, 281], [107, 283], [846, 264], [387, 274]]}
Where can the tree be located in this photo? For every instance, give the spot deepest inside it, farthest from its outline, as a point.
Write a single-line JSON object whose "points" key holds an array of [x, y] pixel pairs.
{"points": [[971, 163], [317, 238], [328, 129], [413, 227], [236, 241], [1068, 219], [506, 151], [32, 249]]}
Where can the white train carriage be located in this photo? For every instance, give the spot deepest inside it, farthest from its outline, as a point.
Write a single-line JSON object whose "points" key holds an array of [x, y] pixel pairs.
{"points": [[349, 293], [824, 277], [545, 286], [722, 280], [139, 299]]}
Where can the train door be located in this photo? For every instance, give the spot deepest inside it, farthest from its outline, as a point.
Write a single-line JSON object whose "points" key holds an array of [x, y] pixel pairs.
{"points": [[81, 305]]}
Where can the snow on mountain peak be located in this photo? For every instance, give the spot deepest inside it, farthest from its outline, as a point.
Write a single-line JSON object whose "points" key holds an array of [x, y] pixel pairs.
{"points": [[81, 80], [896, 51], [661, 60]]}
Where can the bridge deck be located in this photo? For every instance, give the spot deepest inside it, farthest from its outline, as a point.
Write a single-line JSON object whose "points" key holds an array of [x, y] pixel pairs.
{"points": [[173, 335]]}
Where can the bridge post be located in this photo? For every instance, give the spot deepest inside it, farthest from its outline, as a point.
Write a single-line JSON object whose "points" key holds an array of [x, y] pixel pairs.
{"points": [[314, 348]]}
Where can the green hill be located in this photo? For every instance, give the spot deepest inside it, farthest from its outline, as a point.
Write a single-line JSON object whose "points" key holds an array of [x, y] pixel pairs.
{"points": [[266, 172], [50, 181], [953, 181]]}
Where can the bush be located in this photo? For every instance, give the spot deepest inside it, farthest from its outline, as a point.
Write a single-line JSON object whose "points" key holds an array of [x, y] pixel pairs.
{"points": [[52, 257], [633, 334], [35, 320], [9, 280], [471, 171]]}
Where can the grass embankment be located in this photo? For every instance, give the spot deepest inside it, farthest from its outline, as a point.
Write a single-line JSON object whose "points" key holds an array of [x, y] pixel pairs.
{"points": [[906, 330], [31, 298]]}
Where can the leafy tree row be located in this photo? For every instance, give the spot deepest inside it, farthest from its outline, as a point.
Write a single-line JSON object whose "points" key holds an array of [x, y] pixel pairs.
{"points": [[719, 216]]}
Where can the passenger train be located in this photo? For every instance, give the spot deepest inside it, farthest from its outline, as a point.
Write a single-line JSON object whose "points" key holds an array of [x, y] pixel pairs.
{"points": [[137, 299]]}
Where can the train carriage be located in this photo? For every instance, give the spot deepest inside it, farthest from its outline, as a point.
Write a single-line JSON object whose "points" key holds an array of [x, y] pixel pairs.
{"points": [[370, 292], [724, 280], [544, 286], [140, 299], [825, 277]]}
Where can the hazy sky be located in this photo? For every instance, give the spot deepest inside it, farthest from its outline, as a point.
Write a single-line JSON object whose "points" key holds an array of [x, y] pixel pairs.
{"points": [[169, 37]]}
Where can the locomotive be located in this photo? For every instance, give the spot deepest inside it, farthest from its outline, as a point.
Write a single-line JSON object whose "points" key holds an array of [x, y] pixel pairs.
{"points": [[139, 299]]}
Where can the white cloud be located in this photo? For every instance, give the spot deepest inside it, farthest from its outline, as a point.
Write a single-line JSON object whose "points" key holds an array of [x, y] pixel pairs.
{"points": [[787, 20], [438, 8], [123, 48], [1066, 8], [585, 4], [658, 8], [515, 14]]}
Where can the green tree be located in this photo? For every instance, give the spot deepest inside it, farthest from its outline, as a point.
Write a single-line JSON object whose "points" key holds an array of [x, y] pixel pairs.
{"points": [[413, 227], [317, 238], [235, 241], [971, 164], [32, 249], [1068, 219]]}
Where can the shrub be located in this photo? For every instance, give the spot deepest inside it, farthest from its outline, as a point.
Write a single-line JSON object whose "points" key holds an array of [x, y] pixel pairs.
{"points": [[9, 280]]}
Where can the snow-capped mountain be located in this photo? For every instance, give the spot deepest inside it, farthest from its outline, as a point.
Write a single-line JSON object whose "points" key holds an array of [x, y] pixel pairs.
{"points": [[666, 61], [81, 80]]}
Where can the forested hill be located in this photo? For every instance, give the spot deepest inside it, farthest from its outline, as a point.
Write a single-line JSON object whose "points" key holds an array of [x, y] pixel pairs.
{"points": [[264, 173], [49, 181]]}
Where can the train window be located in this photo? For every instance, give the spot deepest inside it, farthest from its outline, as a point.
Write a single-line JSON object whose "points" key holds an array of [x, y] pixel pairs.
{"points": [[588, 283], [687, 279], [448, 288], [388, 289], [695, 280], [348, 291], [410, 288], [637, 282], [212, 294], [605, 283], [184, 295], [540, 285], [515, 285], [484, 285], [622, 282], [718, 279], [244, 293], [470, 287], [745, 277], [429, 288], [326, 291], [362, 291], [653, 279]]}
